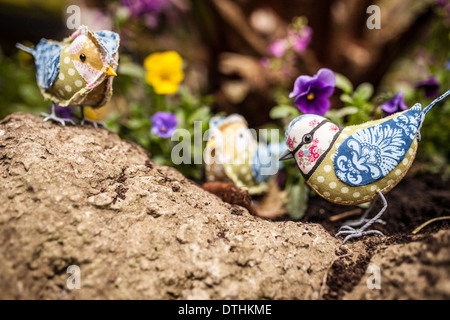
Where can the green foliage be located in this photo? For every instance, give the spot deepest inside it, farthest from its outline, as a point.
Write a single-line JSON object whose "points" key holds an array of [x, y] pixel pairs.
{"points": [[298, 199], [435, 133], [429, 58], [284, 111], [357, 105], [18, 89], [434, 147]]}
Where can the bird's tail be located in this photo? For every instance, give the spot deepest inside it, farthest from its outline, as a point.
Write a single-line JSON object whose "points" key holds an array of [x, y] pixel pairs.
{"points": [[26, 49], [429, 107]]}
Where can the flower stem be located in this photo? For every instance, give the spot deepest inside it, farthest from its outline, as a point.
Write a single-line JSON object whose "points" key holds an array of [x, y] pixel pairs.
{"points": [[417, 230]]}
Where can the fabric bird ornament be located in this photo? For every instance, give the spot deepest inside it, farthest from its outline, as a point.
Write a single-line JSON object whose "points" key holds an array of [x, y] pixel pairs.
{"points": [[234, 155], [77, 71], [356, 164]]}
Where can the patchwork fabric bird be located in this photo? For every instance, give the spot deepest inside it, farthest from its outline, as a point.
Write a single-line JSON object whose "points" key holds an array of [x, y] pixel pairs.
{"points": [[77, 71], [234, 155], [356, 164]]}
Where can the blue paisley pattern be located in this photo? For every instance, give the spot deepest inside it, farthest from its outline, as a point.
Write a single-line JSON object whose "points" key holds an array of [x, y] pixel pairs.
{"points": [[47, 62], [409, 121], [371, 154]]}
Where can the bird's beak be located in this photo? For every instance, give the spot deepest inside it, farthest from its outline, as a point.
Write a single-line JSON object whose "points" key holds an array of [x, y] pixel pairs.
{"points": [[211, 143], [286, 155], [111, 72]]}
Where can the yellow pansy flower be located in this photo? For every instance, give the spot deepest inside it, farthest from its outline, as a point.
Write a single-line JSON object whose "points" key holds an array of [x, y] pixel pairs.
{"points": [[95, 114], [164, 71]]}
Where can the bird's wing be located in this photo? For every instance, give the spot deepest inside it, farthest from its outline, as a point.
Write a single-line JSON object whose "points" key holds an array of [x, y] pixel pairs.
{"points": [[372, 153], [265, 161], [47, 57], [109, 40]]}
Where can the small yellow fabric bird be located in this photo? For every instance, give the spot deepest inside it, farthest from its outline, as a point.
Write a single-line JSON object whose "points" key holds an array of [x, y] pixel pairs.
{"points": [[356, 164], [77, 71], [236, 156]]}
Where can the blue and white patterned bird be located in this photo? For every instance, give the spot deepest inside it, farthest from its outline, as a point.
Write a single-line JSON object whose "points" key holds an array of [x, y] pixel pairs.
{"points": [[356, 164], [77, 71], [234, 155]]}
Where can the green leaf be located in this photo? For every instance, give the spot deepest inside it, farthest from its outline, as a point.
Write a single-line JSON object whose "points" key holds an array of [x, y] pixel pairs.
{"points": [[343, 112], [135, 124], [180, 114], [283, 111], [343, 83], [346, 98], [131, 69], [364, 91], [298, 201], [337, 116], [201, 114]]}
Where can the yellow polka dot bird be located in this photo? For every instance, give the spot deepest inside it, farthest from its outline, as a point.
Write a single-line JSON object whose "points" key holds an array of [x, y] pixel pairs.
{"points": [[77, 71], [356, 164]]}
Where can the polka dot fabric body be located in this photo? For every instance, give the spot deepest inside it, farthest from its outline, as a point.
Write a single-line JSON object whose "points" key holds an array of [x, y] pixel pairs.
{"points": [[240, 172], [69, 83], [325, 182]]}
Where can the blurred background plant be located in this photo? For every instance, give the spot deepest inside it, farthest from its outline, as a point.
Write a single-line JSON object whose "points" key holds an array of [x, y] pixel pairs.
{"points": [[243, 57]]}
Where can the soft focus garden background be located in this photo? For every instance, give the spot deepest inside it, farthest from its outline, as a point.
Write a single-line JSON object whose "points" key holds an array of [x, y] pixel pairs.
{"points": [[243, 56]]}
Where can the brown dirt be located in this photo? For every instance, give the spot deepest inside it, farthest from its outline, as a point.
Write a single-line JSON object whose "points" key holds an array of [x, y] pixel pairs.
{"points": [[77, 195]]}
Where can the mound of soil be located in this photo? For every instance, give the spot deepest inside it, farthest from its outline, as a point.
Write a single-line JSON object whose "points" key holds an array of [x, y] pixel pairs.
{"points": [[82, 196]]}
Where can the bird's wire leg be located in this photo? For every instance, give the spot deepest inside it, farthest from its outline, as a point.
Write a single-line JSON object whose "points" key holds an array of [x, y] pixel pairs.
{"points": [[363, 219], [356, 233], [54, 117], [95, 124]]}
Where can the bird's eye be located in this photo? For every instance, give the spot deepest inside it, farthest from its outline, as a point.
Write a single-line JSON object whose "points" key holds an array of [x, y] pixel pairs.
{"points": [[82, 57], [307, 138]]}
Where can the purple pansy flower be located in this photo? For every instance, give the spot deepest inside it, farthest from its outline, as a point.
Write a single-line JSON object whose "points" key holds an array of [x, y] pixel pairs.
{"points": [[149, 10], [312, 93], [396, 104], [431, 87], [152, 11], [164, 124], [65, 113], [139, 8]]}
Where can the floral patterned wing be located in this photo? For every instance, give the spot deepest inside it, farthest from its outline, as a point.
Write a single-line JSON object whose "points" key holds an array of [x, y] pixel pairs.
{"points": [[371, 154]]}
